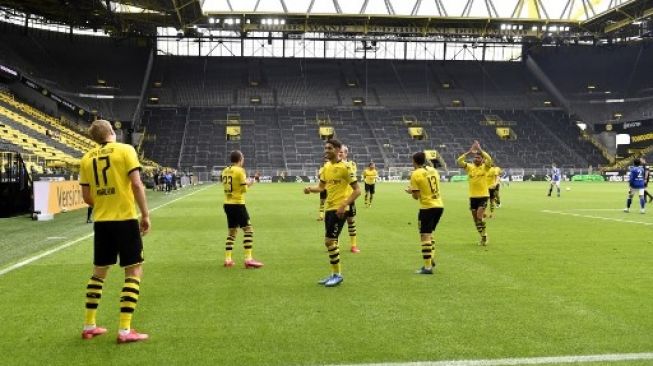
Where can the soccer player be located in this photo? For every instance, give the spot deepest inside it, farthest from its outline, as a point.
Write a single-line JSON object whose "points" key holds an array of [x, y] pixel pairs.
{"points": [[425, 187], [556, 177], [493, 183], [478, 191], [351, 214], [111, 183], [636, 182], [339, 180], [235, 184], [370, 175]]}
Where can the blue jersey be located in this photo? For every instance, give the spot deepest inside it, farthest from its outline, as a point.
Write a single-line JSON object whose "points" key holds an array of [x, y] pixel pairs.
{"points": [[555, 174], [637, 177]]}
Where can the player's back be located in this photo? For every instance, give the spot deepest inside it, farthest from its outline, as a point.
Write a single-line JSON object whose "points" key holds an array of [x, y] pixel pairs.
{"points": [[637, 177], [427, 181], [234, 185], [105, 170]]}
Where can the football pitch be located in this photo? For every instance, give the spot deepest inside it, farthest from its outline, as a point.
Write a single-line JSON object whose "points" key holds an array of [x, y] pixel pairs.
{"points": [[562, 279]]}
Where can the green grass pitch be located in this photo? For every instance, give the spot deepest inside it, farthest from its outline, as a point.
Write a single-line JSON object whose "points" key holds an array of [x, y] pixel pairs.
{"points": [[561, 276]]}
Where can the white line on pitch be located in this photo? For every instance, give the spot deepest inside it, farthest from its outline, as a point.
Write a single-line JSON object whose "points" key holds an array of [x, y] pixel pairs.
{"points": [[596, 209], [598, 217], [524, 361], [73, 242]]}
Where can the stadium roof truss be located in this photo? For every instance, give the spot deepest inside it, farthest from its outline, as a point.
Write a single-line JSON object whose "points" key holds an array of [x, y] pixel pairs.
{"points": [[474, 18]]}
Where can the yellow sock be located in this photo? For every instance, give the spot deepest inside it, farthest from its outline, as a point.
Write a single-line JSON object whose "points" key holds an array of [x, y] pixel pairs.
{"points": [[433, 250], [426, 254], [334, 256], [93, 295], [229, 247], [248, 243], [128, 301], [351, 228]]}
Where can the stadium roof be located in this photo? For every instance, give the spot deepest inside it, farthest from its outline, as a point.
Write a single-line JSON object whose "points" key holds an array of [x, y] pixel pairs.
{"points": [[474, 17], [508, 9]]}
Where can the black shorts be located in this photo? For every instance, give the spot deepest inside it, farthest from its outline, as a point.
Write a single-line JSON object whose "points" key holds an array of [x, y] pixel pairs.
{"points": [[428, 219], [369, 188], [323, 195], [477, 202], [115, 239], [493, 192], [237, 216], [333, 224], [352, 210]]}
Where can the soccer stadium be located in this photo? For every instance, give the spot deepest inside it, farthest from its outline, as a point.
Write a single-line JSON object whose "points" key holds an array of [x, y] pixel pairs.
{"points": [[209, 126]]}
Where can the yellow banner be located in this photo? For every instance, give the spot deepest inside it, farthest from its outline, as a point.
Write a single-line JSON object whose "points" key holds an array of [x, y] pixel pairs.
{"points": [[415, 131], [431, 154], [503, 132], [326, 131], [64, 196], [233, 130]]}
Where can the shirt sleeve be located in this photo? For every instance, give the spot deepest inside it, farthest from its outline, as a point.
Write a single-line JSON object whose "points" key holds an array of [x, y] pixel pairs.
{"points": [[413, 182], [83, 173], [131, 160], [243, 180], [461, 161], [351, 174], [487, 159]]}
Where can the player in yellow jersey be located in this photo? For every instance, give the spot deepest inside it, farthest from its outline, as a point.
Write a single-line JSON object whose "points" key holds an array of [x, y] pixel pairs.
{"points": [[339, 181], [493, 182], [351, 214], [425, 187], [369, 176], [235, 184], [111, 184], [478, 191]]}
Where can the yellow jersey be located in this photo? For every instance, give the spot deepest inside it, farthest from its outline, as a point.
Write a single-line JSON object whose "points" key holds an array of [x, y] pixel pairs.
{"points": [[477, 175], [426, 180], [492, 175], [234, 182], [105, 170], [370, 175], [338, 177]]}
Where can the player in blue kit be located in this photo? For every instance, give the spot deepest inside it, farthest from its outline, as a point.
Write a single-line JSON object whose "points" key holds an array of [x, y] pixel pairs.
{"points": [[556, 177], [636, 182]]}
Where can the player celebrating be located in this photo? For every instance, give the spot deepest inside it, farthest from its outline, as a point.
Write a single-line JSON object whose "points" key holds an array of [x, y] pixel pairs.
{"points": [[478, 191], [556, 177], [235, 184], [425, 187], [339, 181], [369, 176], [636, 182]]}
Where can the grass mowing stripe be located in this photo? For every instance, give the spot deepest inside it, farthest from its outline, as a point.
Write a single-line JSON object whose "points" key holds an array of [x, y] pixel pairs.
{"points": [[75, 241], [597, 217], [618, 357]]}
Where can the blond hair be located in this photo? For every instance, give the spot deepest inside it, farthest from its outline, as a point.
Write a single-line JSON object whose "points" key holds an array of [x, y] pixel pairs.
{"points": [[100, 131]]}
